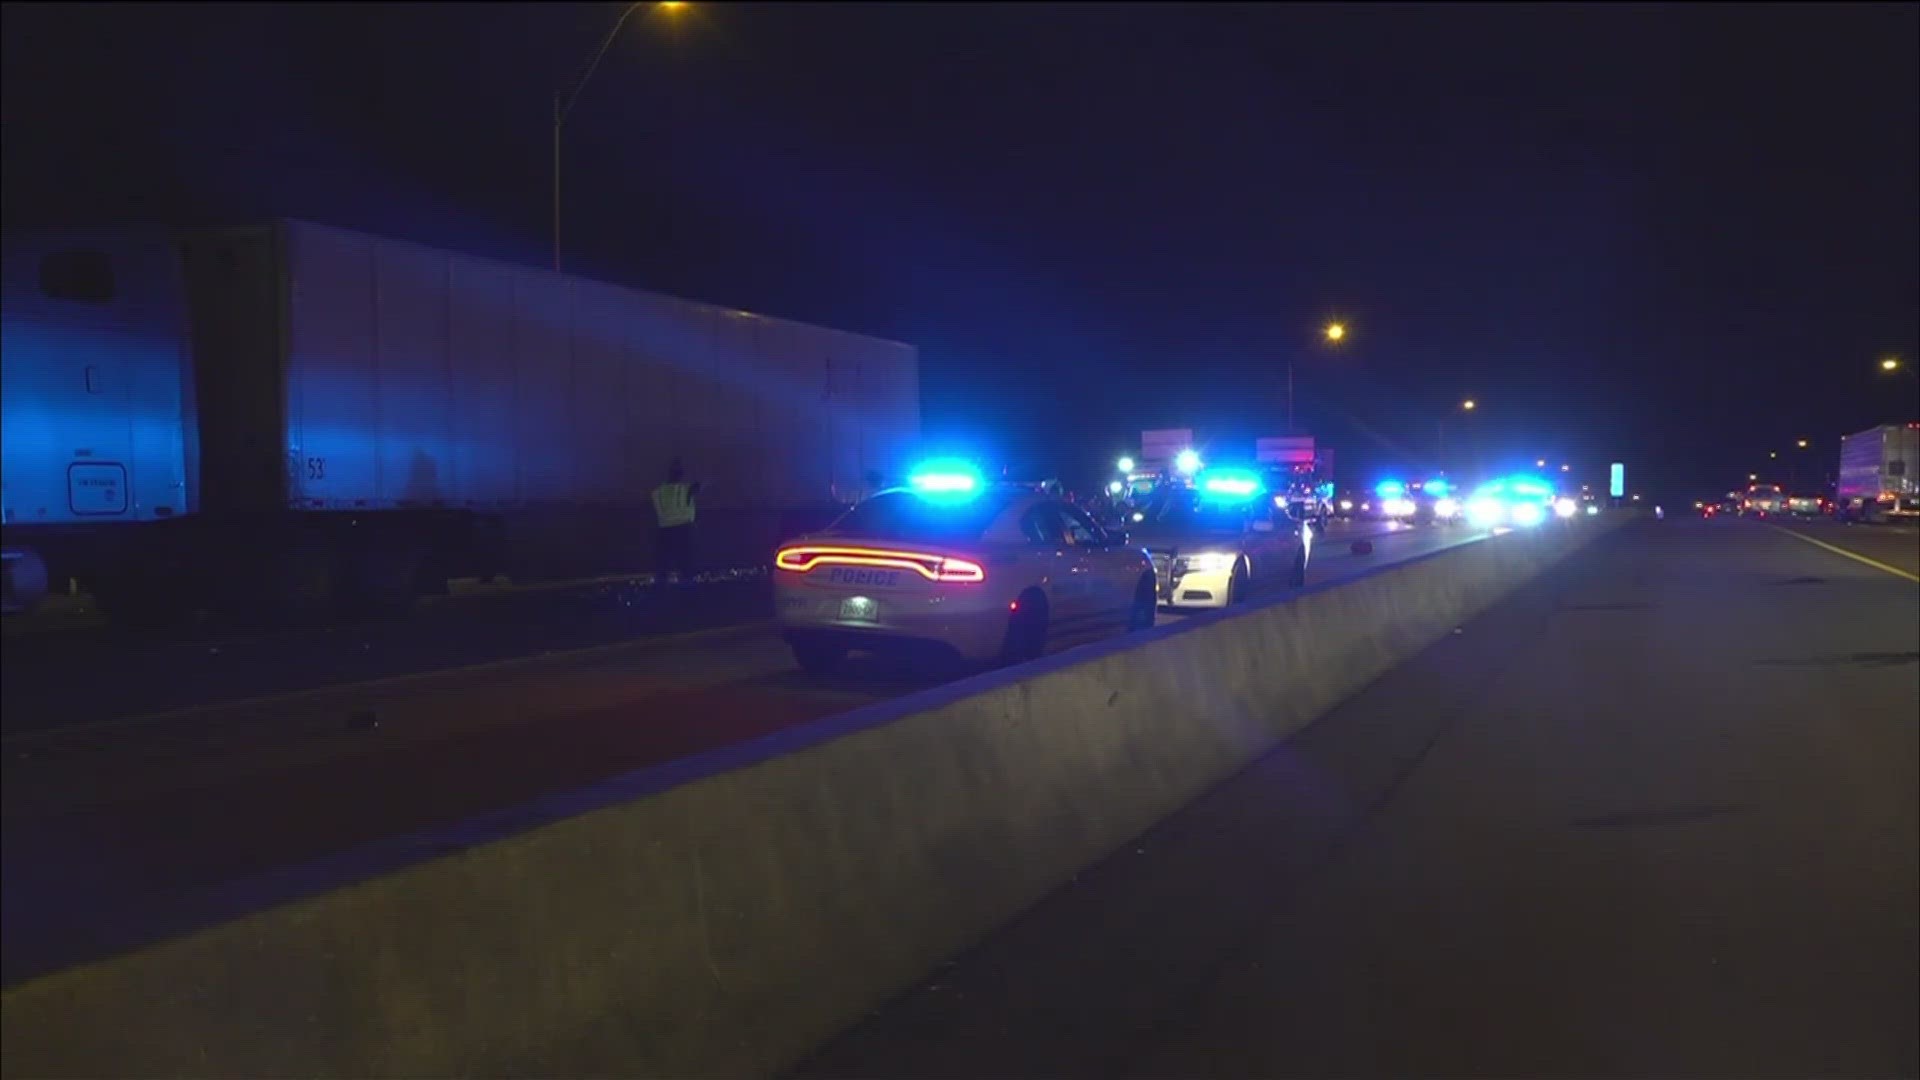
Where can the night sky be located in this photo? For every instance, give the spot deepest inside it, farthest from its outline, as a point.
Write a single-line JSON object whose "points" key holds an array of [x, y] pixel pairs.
{"points": [[1676, 235]]}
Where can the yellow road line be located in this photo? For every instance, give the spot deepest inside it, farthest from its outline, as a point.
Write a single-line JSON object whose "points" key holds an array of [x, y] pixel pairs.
{"points": [[288, 697], [1855, 556]]}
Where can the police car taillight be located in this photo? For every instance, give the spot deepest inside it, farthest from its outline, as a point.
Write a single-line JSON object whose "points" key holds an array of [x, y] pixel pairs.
{"points": [[961, 570], [805, 558]]}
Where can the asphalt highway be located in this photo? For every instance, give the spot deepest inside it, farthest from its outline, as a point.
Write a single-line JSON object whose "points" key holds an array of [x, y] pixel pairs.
{"points": [[1652, 815], [111, 815]]}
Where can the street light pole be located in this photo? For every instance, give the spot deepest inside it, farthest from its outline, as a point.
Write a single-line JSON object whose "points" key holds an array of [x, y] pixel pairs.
{"points": [[563, 102], [1332, 333], [556, 181]]}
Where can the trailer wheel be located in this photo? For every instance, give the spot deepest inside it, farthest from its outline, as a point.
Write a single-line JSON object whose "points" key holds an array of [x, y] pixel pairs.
{"points": [[430, 575], [276, 579], [306, 584], [384, 580], [141, 601]]}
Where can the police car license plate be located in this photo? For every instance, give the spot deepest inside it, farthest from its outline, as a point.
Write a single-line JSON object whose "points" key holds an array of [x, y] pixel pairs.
{"points": [[859, 609]]}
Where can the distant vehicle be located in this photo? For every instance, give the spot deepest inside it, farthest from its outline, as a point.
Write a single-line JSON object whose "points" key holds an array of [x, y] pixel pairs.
{"points": [[1392, 501], [1211, 552], [1806, 505], [1514, 502], [1436, 502], [290, 418], [1294, 469], [1879, 474], [954, 564], [1763, 499]]}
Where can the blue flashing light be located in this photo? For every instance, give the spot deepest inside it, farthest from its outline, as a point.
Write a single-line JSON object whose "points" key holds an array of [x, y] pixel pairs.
{"points": [[1231, 483], [1439, 486], [1325, 490], [1390, 489], [945, 477], [1529, 487]]}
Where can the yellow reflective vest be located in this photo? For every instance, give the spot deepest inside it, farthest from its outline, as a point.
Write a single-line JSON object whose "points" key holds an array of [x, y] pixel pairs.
{"points": [[673, 504]]}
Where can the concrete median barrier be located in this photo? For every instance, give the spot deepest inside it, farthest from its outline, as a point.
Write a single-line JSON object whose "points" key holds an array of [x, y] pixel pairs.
{"points": [[721, 915]]}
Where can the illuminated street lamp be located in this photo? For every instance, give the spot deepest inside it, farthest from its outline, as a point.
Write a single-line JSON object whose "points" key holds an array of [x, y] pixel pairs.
{"points": [[1469, 405], [1125, 464], [1539, 463], [1566, 468], [563, 100], [1187, 461], [1802, 444], [1890, 363], [1773, 455], [1333, 334], [1751, 477]]}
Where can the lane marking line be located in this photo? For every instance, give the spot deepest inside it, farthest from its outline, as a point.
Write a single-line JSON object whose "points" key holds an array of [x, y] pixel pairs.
{"points": [[1843, 552]]}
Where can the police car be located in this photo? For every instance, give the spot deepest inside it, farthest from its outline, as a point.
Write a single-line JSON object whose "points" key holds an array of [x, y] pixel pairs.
{"points": [[962, 565], [1223, 540]]}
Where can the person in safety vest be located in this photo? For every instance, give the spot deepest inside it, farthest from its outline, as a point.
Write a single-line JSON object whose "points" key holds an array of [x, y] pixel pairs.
{"points": [[673, 508]]}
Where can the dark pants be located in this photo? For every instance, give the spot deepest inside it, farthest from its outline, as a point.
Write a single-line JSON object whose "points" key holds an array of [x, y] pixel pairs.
{"points": [[676, 549]]}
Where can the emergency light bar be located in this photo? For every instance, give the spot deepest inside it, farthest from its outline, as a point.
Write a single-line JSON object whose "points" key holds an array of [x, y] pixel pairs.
{"points": [[945, 477], [1233, 483]]}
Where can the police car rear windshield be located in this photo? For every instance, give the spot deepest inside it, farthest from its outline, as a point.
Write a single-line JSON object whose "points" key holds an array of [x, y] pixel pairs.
{"points": [[903, 515]]}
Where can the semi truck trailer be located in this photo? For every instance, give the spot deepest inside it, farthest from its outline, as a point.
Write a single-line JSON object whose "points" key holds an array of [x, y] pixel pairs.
{"points": [[289, 418], [1879, 474]]}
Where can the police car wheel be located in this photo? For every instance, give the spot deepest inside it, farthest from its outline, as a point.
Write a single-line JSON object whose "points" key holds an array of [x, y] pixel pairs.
{"points": [[1027, 629], [1146, 606], [817, 657], [1237, 585]]}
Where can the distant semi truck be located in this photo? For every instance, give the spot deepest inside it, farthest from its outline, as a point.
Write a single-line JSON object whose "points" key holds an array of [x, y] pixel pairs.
{"points": [[1879, 474], [289, 418]]}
